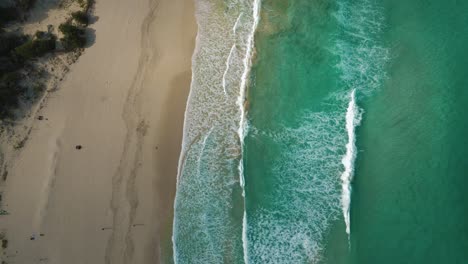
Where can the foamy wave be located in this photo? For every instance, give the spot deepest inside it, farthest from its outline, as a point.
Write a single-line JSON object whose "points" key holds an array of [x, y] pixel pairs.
{"points": [[247, 66], [291, 227], [362, 57], [228, 62], [210, 178], [353, 119], [291, 222], [234, 28], [242, 122], [362, 60]]}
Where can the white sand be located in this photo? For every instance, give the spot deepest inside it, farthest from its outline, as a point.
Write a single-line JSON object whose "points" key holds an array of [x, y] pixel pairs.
{"points": [[123, 101]]}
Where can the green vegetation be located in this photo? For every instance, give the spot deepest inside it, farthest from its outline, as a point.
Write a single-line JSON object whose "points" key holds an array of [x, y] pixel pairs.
{"points": [[38, 88], [73, 36], [14, 52], [17, 50], [25, 5], [86, 4], [8, 14], [10, 92], [40, 34], [8, 42], [35, 48], [81, 17]]}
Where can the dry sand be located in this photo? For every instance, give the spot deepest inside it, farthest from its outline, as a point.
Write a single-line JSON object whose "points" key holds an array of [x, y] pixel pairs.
{"points": [[123, 101]]}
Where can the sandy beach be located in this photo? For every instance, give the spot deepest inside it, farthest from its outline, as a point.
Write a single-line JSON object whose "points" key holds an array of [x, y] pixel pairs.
{"points": [[123, 103]]}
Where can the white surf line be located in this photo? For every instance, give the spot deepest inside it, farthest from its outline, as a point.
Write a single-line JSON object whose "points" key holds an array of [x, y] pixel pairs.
{"points": [[353, 119], [242, 123], [227, 68], [203, 149], [241, 99], [234, 28]]}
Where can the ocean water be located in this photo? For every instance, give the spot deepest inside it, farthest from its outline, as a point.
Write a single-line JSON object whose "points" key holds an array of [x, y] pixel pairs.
{"points": [[324, 131], [209, 205], [315, 60], [410, 203]]}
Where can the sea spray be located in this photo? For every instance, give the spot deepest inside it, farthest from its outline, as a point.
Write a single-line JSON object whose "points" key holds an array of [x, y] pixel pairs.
{"points": [[353, 119]]}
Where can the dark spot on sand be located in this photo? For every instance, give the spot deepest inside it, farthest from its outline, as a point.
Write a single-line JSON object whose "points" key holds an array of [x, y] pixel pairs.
{"points": [[79, 147], [4, 243]]}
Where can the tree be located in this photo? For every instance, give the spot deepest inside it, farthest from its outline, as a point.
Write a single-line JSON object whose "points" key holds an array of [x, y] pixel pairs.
{"points": [[10, 91], [8, 14], [73, 36], [81, 17], [35, 48], [25, 5], [10, 41]]}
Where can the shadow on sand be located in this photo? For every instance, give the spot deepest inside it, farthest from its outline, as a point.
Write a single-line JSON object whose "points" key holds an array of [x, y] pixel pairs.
{"points": [[90, 37]]}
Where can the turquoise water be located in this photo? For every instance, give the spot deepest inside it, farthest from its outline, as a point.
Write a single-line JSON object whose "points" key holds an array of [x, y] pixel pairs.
{"points": [[325, 131], [410, 203], [315, 60]]}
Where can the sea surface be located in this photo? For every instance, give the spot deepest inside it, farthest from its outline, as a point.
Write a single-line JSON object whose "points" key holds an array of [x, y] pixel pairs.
{"points": [[325, 131]]}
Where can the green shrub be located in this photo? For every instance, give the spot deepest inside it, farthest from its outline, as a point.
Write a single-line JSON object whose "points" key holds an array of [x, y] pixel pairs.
{"points": [[88, 4], [38, 88], [8, 42], [81, 17], [25, 5], [8, 14], [10, 92], [8, 64], [40, 34], [73, 36], [35, 48]]}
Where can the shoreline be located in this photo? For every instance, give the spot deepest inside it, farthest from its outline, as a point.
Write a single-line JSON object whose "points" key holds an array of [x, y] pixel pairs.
{"points": [[123, 102]]}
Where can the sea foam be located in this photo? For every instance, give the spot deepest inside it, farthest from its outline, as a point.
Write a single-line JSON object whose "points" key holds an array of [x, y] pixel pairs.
{"points": [[208, 210], [353, 119], [242, 122], [291, 227], [311, 176], [362, 60]]}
